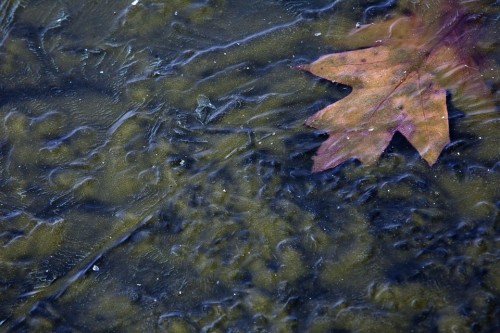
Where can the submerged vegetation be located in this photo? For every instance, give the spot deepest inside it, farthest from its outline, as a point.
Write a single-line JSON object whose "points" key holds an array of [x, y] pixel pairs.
{"points": [[155, 176]]}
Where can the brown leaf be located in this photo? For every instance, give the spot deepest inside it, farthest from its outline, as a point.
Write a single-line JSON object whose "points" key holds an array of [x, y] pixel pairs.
{"points": [[399, 84]]}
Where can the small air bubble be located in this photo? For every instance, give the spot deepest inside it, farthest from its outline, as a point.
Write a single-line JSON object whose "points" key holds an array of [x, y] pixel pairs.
{"points": [[95, 268]]}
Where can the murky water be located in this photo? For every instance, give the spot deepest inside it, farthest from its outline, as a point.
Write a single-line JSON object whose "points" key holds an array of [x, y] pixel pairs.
{"points": [[155, 177]]}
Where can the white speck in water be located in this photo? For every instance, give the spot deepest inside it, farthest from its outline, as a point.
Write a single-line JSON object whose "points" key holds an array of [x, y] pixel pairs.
{"points": [[317, 34], [135, 2], [95, 268], [371, 129], [358, 25], [224, 190], [102, 72], [176, 13]]}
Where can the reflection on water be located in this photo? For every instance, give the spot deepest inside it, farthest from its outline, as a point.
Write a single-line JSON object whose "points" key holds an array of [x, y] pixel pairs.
{"points": [[121, 209]]}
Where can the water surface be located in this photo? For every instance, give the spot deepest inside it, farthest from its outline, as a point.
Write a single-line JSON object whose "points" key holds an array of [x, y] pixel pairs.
{"points": [[155, 177]]}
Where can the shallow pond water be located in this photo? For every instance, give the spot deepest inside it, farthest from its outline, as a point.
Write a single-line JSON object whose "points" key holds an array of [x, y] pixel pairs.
{"points": [[155, 176]]}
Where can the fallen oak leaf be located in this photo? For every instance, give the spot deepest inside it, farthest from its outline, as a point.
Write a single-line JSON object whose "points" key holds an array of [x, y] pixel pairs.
{"points": [[399, 86], [362, 124]]}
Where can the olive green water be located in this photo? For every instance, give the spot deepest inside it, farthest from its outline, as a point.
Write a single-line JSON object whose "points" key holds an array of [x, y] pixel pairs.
{"points": [[155, 177]]}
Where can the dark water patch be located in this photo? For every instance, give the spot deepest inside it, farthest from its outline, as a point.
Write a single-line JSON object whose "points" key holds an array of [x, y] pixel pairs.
{"points": [[402, 146], [378, 9]]}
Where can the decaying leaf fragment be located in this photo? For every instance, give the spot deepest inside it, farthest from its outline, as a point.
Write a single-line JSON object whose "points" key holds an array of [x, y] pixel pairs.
{"points": [[399, 84]]}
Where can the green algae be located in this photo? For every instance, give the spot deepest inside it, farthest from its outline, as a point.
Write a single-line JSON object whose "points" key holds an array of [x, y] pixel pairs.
{"points": [[33, 245], [140, 217]]}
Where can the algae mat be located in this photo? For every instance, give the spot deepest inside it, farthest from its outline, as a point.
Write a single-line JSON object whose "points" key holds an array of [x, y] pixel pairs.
{"points": [[155, 177]]}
